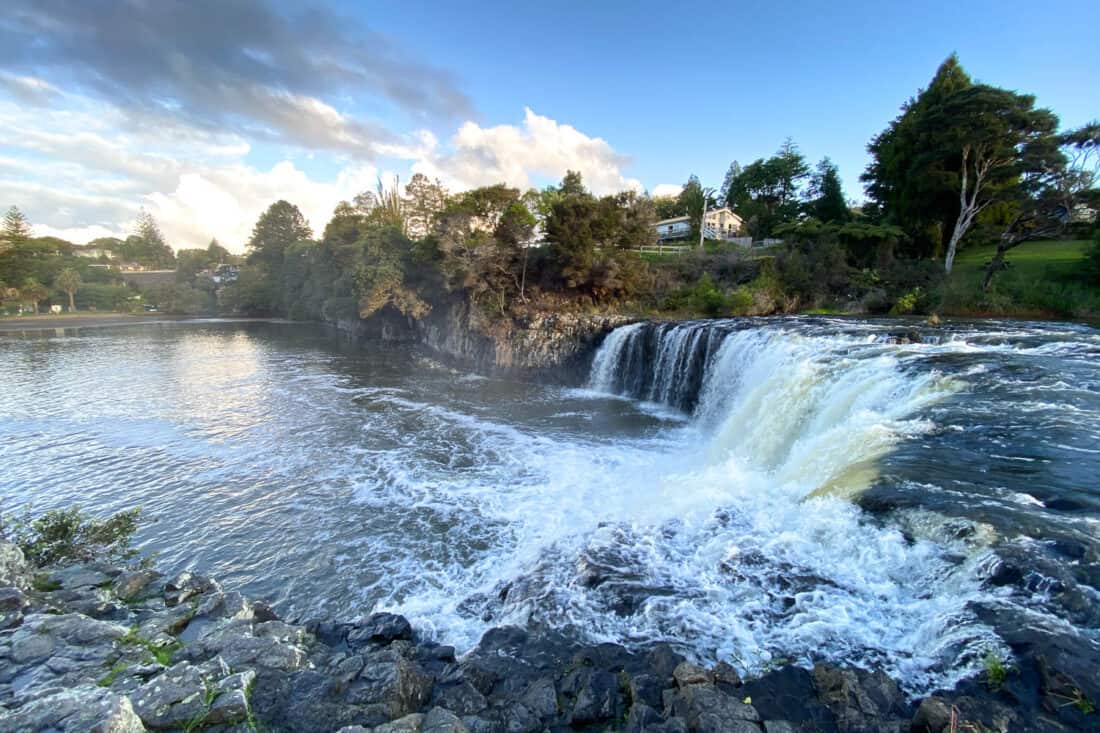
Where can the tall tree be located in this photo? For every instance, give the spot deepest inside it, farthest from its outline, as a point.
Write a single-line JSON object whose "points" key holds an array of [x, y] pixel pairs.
{"points": [[767, 192], [216, 254], [904, 178], [68, 280], [572, 184], [827, 203], [424, 200], [16, 230], [996, 138], [277, 228]]}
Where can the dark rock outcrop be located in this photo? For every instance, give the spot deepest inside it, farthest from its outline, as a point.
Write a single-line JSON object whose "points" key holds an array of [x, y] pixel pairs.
{"points": [[187, 655]]}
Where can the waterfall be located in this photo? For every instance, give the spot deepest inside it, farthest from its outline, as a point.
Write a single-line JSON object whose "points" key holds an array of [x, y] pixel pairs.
{"points": [[812, 409]]}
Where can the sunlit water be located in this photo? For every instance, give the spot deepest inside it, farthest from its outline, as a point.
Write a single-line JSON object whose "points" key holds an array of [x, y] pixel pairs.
{"points": [[704, 487]]}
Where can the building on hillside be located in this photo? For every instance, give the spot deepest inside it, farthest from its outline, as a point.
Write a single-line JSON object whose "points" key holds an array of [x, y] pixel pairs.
{"points": [[92, 253], [225, 273], [722, 224], [717, 224], [676, 228]]}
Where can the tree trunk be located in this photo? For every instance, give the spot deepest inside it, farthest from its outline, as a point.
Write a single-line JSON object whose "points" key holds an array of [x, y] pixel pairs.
{"points": [[72, 303], [969, 208]]}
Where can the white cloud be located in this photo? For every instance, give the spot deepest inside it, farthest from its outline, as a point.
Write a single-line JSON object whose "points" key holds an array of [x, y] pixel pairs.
{"points": [[670, 190], [84, 170], [480, 156]]}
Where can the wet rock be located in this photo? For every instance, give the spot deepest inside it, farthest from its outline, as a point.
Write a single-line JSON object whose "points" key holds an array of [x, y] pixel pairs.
{"points": [[120, 718], [136, 584], [400, 686], [231, 703], [465, 699], [541, 698], [413, 723], [249, 651], [726, 677], [75, 709], [857, 698], [380, 628], [598, 699], [708, 710], [12, 599], [440, 720], [646, 689], [79, 576], [14, 571], [933, 716], [185, 586], [687, 673], [779, 726], [281, 632]]}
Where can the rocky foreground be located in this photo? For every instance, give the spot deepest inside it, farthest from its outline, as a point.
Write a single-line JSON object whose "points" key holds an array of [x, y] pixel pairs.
{"points": [[92, 647]]}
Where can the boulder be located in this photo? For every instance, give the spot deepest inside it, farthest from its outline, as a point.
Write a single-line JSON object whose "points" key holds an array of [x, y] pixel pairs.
{"points": [[136, 584], [14, 571], [380, 628], [75, 577], [120, 718]]}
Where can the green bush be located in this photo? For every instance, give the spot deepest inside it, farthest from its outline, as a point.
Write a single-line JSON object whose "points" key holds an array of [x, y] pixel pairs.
{"points": [[71, 535]]}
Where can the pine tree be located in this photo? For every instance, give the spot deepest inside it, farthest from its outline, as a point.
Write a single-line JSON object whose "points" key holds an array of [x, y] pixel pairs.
{"points": [[16, 231]]}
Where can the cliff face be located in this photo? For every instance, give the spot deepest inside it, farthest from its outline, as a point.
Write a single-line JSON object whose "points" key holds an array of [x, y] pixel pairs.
{"points": [[556, 344]]}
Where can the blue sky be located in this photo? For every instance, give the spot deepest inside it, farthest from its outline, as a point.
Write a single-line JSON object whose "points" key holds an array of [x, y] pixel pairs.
{"points": [[204, 115]]}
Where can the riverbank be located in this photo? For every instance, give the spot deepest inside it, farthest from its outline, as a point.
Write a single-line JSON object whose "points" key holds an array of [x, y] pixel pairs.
{"points": [[83, 320], [98, 647]]}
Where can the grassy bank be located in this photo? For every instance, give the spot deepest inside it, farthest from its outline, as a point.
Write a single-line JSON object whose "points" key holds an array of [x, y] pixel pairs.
{"points": [[1043, 280]]}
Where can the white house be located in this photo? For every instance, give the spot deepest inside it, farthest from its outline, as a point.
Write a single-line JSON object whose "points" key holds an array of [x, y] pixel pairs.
{"points": [[717, 224], [676, 228], [722, 224]]}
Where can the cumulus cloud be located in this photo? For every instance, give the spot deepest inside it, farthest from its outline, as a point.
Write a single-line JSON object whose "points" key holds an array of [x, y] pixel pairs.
{"points": [[662, 190], [479, 156], [238, 65]]}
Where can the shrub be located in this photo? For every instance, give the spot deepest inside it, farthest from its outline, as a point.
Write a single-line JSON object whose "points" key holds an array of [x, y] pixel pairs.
{"points": [[71, 535]]}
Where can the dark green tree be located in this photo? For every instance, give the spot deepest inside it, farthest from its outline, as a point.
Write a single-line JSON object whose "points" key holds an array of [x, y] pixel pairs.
{"points": [[827, 203], [16, 230]]}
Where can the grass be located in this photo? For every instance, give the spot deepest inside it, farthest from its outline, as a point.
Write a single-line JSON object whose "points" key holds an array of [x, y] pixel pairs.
{"points": [[996, 671], [42, 583], [1043, 280], [109, 679], [162, 654]]}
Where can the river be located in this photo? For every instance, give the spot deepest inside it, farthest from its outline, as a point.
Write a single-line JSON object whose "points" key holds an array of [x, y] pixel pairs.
{"points": [[875, 492]]}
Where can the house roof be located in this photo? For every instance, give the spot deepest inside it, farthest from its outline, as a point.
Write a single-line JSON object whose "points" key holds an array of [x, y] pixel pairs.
{"points": [[673, 220]]}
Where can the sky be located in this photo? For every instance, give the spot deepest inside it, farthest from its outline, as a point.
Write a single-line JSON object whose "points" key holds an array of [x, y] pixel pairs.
{"points": [[204, 112]]}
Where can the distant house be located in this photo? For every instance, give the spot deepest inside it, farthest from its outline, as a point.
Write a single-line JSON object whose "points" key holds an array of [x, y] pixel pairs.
{"points": [[226, 274], [722, 224], [92, 253], [676, 228], [717, 224]]}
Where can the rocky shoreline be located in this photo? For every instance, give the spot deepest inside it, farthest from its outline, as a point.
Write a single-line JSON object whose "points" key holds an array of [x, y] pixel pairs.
{"points": [[93, 647]]}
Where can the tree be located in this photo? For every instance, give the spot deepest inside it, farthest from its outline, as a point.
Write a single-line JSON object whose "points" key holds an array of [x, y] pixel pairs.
{"points": [[513, 234], [905, 178], [215, 253], [572, 184], [16, 230], [424, 200], [767, 193], [998, 139], [693, 200], [277, 229], [732, 174], [1055, 183], [34, 292], [147, 246], [68, 280], [827, 202]]}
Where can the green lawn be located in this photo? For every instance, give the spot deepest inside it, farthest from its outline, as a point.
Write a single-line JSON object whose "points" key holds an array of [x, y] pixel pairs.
{"points": [[1043, 279]]}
